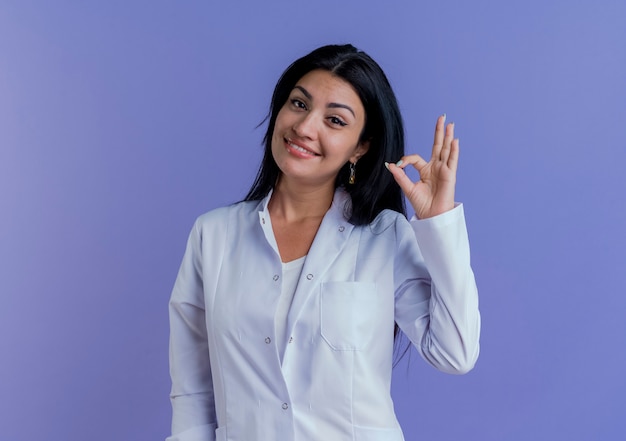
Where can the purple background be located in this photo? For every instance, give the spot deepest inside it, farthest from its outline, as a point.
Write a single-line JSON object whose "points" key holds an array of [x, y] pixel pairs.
{"points": [[120, 122]]}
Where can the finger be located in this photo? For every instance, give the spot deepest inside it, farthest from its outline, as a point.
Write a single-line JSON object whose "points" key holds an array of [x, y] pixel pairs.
{"points": [[447, 143], [439, 135], [401, 178], [416, 160], [453, 160]]}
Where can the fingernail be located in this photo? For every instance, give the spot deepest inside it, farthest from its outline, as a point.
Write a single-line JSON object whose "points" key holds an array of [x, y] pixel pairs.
{"points": [[399, 163], [387, 165], [444, 116]]}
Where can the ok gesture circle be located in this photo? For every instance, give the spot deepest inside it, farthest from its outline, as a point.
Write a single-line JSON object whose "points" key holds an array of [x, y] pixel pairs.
{"points": [[433, 194]]}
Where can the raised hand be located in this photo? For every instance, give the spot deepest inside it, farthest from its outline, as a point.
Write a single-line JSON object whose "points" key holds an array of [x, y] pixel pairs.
{"points": [[433, 194]]}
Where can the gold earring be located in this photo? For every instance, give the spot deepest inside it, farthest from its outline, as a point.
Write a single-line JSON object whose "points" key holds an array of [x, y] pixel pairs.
{"points": [[351, 179]]}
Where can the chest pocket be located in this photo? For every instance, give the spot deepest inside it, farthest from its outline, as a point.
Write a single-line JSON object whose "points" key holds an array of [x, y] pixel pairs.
{"points": [[348, 314]]}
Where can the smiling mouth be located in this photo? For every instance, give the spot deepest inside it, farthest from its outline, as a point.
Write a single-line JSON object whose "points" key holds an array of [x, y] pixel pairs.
{"points": [[299, 148]]}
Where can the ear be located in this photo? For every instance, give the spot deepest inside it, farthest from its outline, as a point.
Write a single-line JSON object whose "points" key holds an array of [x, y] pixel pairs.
{"points": [[359, 151]]}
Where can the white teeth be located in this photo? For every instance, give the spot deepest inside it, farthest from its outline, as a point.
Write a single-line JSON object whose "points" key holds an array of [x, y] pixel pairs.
{"points": [[300, 149]]}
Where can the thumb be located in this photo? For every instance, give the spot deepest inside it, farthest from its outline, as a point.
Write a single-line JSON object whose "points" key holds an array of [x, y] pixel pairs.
{"points": [[400, 177]]}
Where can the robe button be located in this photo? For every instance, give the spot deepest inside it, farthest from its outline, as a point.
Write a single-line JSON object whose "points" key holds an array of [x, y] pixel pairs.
{"points": [[276, 277], [290, 339], [268, 340], [341, 228], [285, 406], [309, 276]]}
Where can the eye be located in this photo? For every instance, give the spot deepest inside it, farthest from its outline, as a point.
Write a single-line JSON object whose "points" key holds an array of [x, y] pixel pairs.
{"points": [[337, 121], [298, 104]]}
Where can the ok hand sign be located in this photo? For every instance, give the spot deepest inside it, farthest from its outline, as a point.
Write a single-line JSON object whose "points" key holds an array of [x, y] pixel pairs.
{"points": [[433, 194]]}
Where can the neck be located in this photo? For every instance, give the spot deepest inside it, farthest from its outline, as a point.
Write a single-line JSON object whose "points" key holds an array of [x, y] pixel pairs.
{"points": [[295, 203]]}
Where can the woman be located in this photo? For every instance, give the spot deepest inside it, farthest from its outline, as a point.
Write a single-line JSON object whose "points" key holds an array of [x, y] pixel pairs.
{"points": [[283, 312]]}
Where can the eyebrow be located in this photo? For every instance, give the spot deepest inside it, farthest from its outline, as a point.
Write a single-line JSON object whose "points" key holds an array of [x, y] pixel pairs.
{"points": [[330, 105]]}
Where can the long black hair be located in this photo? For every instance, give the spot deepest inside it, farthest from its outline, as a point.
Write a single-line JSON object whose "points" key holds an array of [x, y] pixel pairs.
{"points": [[375, 188]]}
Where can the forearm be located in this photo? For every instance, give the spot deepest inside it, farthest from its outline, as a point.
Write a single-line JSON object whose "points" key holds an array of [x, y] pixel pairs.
{"points": [[445, 323]]}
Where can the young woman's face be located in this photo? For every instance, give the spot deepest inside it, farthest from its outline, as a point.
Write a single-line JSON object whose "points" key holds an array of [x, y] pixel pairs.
{"points": [[317, 130]]}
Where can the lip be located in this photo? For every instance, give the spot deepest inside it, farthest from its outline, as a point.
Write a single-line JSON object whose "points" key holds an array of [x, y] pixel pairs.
{"points": [[299, 150]]}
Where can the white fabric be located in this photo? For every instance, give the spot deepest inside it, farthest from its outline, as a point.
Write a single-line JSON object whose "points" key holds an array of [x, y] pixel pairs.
{"points": [[334, 380], [291, 274]]}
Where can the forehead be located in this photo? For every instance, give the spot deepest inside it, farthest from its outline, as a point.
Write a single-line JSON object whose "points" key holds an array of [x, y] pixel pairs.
{"points": [[328, 88]]}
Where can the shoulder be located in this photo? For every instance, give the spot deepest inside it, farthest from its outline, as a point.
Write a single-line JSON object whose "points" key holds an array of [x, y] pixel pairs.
{"points": [[220, 218], [387, 219]]}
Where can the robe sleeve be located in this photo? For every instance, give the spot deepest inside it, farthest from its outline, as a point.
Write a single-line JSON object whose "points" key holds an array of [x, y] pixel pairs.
{"points": [[192, 398], [436, 299]]}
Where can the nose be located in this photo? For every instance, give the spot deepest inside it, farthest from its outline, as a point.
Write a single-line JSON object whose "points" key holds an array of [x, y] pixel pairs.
{"points": [[306, 126]]}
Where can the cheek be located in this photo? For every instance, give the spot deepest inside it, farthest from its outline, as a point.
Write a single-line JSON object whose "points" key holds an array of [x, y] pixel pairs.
{"points": [[279, 130], [276, 145], [282, 119], [346, 146]]}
